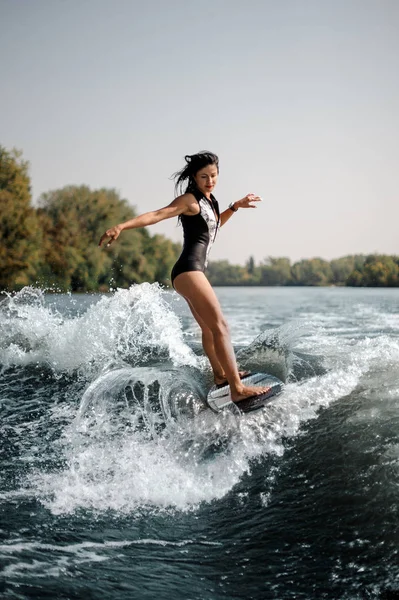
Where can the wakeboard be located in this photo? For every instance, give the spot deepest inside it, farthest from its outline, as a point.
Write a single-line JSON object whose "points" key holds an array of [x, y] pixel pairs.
{"points": [[219, 397]]}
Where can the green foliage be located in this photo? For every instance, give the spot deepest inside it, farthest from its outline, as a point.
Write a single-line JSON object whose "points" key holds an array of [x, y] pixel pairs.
{"points": [[377, 271], [276, 271], [161, 255], [74, 218], [357, 270], [223, 273], [56, 244], [20, 234], [250, 266], [315, 271]]}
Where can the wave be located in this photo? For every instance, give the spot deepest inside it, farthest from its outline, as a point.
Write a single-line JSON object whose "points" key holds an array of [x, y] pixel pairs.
{"points": [[138, 434]]}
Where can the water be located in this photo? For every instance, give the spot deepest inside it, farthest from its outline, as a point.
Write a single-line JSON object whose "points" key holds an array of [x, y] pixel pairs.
{"points": [[117, 482]]}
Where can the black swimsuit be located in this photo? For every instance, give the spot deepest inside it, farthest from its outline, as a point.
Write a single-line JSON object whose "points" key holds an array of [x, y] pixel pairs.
{"points": [[199, 234]]}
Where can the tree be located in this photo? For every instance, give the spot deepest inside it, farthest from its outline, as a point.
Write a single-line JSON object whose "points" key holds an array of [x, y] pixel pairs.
{"points": [[20, 234], [221, 272], [341, 269], [74, 218], [381, 271], [161, 254], [276, 271], [250, 265], [315, 271], [355, 279]]}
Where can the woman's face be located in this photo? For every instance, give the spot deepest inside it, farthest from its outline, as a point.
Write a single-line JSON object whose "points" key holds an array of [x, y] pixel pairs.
{"points": [[206, 179]]}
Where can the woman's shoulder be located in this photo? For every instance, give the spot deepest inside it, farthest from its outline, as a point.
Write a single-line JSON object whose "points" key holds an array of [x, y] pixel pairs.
{"points": [[190, 202], [187, 198]]}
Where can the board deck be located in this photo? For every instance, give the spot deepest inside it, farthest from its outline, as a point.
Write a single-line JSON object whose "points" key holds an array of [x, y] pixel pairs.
{"points": [[219, 397]]}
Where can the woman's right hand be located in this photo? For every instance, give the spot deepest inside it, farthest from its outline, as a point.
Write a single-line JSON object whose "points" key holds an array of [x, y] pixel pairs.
{"points": [[112, 233]]}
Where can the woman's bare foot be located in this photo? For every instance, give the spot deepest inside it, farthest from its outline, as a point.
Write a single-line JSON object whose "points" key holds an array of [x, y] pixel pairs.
{"points": [[221, 381], [248, 392]]}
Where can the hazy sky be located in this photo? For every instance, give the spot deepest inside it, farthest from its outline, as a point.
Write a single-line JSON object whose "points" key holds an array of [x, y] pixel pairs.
{"points": [[299, 98]]}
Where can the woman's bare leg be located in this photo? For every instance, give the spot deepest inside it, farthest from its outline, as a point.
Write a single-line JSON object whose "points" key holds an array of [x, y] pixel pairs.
{"points": [[208, 345], [196, 289]]}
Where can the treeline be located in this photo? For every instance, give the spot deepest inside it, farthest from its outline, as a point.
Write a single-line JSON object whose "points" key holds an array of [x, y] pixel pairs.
{"points": [[374, 270], [55, 245]]}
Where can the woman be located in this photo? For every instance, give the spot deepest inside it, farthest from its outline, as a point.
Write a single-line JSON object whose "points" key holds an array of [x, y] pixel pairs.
{"points": [[198, 211]]}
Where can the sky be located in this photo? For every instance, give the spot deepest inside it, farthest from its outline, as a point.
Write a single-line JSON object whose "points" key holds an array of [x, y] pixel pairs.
{"points": [[299, 99]]}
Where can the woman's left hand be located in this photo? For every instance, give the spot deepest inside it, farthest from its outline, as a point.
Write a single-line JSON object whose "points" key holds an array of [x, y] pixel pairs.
{"points": [[247, 201]]}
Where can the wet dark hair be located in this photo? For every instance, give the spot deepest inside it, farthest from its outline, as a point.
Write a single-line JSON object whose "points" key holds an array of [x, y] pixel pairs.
{"points": [[184, 179]]}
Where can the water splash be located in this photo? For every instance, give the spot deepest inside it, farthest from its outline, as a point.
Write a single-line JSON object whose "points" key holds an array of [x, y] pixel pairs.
{"points": [[136, 326], [142, 398]]}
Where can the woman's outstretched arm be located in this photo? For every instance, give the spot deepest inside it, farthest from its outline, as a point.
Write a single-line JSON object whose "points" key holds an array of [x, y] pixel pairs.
{"points": [[246, 202], [180, 205]]}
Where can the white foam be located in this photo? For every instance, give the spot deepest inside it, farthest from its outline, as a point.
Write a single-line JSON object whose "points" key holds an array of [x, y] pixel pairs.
{"points": [[133, 325], [192, 461]]}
